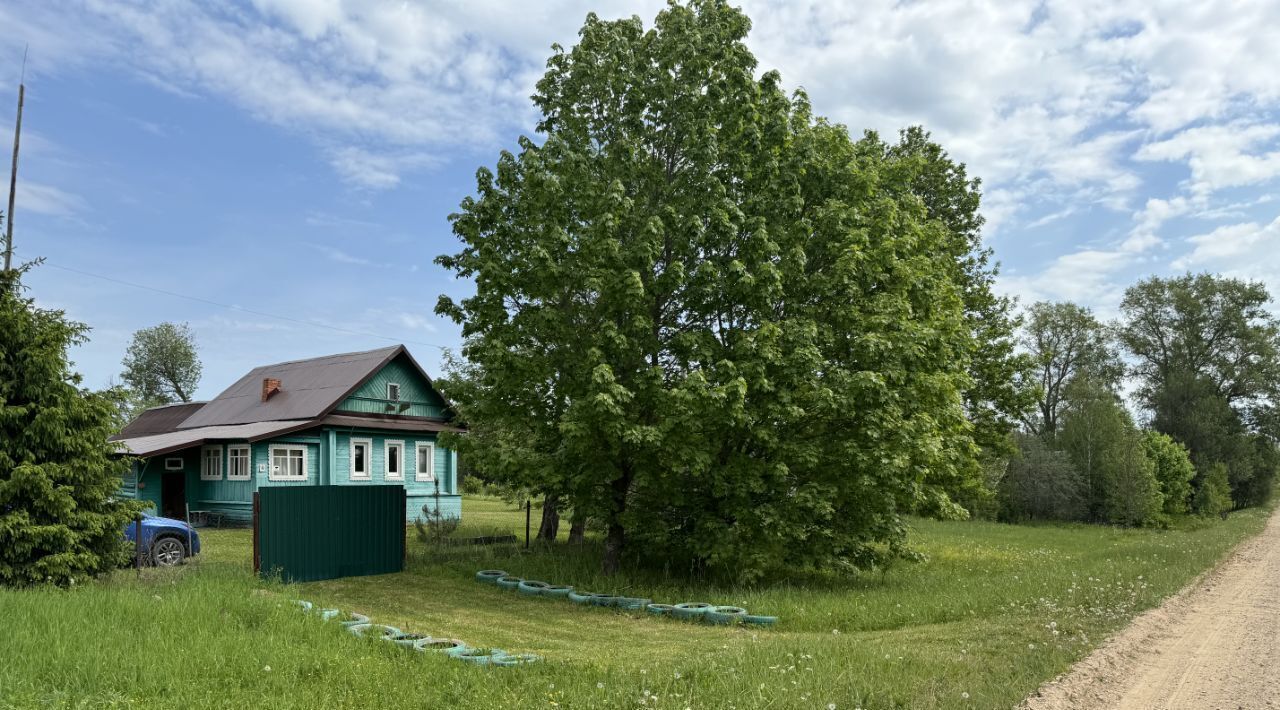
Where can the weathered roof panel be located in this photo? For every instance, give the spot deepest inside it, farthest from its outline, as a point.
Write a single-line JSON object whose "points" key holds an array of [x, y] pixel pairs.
{"points": [[158, 420], [308, 389], [157, 444]]}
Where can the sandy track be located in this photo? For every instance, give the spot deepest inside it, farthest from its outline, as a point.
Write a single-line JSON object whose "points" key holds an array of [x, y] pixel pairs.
{"points": [[1214, 645]]}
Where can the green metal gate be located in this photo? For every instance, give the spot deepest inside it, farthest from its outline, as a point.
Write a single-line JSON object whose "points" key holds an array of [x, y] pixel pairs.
{"points": [[322, 532]]}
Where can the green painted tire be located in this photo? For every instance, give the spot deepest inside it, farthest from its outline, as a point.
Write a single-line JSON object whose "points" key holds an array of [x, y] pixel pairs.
{"points": [[724, 615], [406, 640], [354, 619], [479, 656], [690, 610], [633, 603], [305, 606], [603, 600], [515, 659], [329, 614], [435, 645], [374, 630], [559, 591], [758, 620], [532, 587], [509, 582], [660, 609], [580, 597], [489, 576]]}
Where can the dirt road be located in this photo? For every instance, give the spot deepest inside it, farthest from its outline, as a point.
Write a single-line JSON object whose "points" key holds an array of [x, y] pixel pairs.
{"points": [[1214, 645]]}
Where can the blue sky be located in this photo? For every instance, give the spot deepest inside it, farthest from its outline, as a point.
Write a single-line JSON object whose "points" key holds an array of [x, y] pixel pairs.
{"points": [[299, 157]]}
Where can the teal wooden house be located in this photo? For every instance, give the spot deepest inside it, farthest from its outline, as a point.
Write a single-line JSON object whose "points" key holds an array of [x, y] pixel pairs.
{"points": [[342, 420]]}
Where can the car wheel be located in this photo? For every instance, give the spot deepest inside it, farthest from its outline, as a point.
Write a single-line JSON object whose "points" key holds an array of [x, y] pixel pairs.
{"points": [[167, 552]]}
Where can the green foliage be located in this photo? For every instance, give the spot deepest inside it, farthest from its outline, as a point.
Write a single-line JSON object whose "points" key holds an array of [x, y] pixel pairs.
{"points": [[1065, 341], [161, 365], [1213, 497], [1208, 353], [1099, 436], [1173, 469], [59, 523], [702, 313], [437, 527], [1041, 484], [999, 392]]}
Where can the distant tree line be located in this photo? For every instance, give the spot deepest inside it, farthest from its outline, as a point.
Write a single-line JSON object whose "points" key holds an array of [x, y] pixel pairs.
{"points": [[1199, 356]]}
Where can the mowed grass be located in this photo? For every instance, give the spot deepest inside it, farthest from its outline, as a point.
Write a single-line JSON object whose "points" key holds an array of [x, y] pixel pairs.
{"points": [[995, 611]]}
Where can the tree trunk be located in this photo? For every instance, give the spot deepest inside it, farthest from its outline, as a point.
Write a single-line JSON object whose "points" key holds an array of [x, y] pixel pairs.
{"points": [[550, 526], [613, 542], [615, 535], [578, 528]]}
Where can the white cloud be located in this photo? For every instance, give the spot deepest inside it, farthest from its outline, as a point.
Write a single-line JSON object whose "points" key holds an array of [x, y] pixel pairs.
{"points": [[375, 170], [44, 199], [1247, 247], [1086, 276], [415, 321], [337, 255], [1221, 156]]}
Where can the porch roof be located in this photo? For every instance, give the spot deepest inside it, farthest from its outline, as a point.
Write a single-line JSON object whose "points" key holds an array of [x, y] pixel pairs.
{"points": [[157, 444]]}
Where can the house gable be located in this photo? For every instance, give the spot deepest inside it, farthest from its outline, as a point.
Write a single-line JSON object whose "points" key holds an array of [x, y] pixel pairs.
{"points": [[415, 390]]}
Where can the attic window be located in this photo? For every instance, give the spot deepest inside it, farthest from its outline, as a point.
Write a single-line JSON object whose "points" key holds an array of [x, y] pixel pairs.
{"points": [[393, 392]]}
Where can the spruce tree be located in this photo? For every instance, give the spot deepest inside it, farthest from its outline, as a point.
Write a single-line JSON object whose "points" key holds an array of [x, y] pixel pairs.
{"points": [[59, 519]]}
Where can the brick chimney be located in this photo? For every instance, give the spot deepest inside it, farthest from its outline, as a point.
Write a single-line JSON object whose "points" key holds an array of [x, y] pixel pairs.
{"points": [[270, 386]]}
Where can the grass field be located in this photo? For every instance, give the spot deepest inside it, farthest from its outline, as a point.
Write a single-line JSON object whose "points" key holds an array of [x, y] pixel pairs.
{"points": [[995, 611]]}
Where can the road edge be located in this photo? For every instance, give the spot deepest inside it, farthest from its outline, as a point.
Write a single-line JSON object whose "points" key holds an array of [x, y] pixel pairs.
{"points": [[1091, 681]]}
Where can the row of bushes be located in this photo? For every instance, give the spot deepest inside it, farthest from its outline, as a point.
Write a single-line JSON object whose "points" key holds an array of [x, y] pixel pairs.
{"points": [[1140, 478]]}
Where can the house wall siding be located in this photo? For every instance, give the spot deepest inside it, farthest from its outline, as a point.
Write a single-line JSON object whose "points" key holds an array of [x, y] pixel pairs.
{"points": [[234, 499], [371, 398], [419, 493]]}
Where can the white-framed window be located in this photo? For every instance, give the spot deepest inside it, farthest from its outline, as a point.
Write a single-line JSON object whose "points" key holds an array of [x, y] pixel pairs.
{"points": [[211, 463], [394, 460], [426, 470], [173, 463], [393, 391], [361, 459], [238, 463], [288, 463]]}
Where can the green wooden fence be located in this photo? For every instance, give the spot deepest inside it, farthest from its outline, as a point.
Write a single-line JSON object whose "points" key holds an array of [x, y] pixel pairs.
{"points": [[306, 533]]}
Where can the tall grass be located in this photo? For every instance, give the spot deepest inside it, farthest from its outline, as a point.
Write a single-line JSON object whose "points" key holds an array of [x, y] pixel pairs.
{"points": [[995, 611]]}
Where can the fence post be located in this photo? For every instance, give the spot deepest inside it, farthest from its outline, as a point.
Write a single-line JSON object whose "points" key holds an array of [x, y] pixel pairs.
{"points": [[404, 539], [137, 544], [256, 558], [528, 514]]}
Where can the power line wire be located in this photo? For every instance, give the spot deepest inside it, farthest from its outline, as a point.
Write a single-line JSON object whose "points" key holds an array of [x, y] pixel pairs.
{"points": [[241, 309]]}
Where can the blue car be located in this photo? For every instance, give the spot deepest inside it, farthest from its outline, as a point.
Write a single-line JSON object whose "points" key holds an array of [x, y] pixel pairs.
{"points": [[165, 542]]}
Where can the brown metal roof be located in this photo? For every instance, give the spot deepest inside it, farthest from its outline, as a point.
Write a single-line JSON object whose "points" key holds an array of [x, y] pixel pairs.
{"points": [[308, 389], [183, 438], [158, 420]]}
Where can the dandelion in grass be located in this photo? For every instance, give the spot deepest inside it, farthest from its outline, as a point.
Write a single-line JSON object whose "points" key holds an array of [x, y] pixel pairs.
{"points": [[677, 675], [600, 685], [964, 696], [266, 669]]}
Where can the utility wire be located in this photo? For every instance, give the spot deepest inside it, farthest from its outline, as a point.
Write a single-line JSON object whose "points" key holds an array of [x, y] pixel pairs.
{"points": [[240, 309]]}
